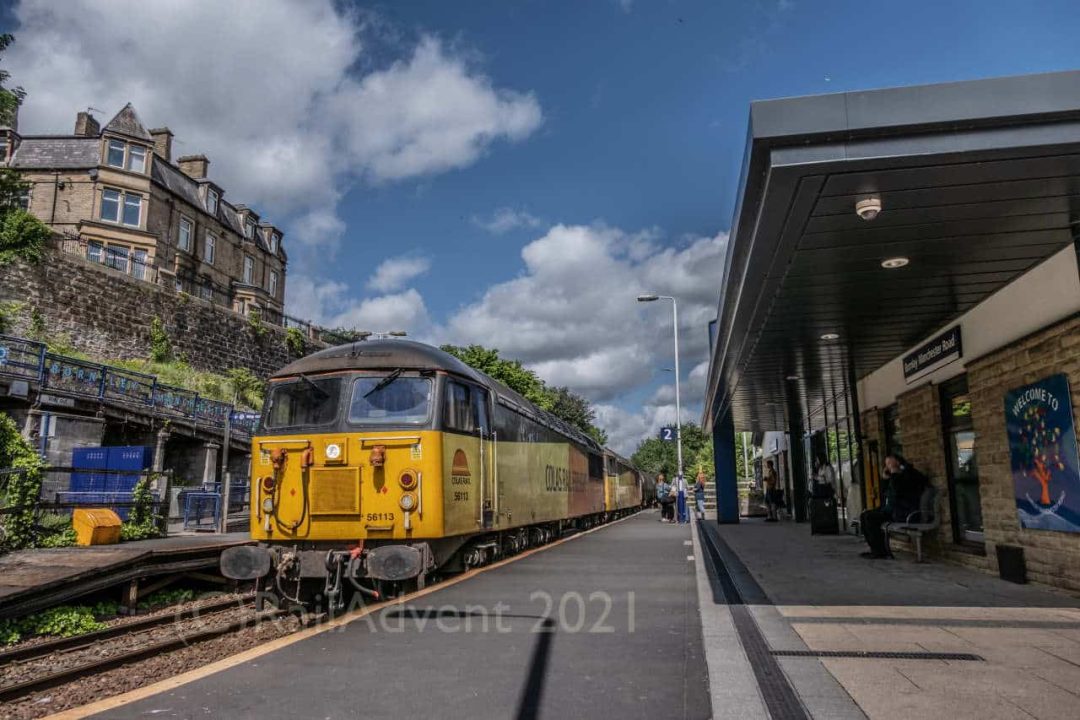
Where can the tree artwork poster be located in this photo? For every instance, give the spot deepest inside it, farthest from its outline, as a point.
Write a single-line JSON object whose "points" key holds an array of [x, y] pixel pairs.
{"points": [[1043, 455]]}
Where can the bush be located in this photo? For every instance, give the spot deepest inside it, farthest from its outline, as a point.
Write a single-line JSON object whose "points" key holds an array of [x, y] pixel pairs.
{"points": [[22, 237], [247, 388], [295, 342], [63, 621], [62, 539], [23, 490], [165, 598], [142, 523], [160, 345]]}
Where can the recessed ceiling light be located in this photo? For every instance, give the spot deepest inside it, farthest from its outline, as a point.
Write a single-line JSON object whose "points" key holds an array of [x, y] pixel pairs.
{"points": [[830, 336], [894, 262], [793, 377]]}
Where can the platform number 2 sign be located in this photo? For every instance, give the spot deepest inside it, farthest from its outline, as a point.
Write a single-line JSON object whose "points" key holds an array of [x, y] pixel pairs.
{"points": [[667, 434]]}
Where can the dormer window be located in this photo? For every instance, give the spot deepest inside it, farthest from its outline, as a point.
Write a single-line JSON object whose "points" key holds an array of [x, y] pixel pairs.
{"points": [[273, 242], [249, 229], [127, 156], [212, 201], [136, 160], [115, 156]]}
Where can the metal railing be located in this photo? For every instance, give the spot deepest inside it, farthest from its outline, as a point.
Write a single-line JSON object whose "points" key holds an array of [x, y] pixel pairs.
{"points": [[31, 361]]}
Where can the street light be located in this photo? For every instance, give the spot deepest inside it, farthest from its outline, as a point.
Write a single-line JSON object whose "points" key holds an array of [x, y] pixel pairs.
{"points": [[678, 404]]}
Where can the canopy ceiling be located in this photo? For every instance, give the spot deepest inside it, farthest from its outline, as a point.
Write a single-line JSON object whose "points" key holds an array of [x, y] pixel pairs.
{"points": [[978, 181]]}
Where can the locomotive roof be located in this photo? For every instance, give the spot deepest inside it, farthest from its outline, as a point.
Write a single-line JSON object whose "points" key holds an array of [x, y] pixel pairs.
{"points": [[391, 354]]}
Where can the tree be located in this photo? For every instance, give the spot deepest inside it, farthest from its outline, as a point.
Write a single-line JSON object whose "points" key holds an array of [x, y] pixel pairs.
{"points": [[561, 402], [510, 373], [10, 98], [22, 236], [655, 455]]}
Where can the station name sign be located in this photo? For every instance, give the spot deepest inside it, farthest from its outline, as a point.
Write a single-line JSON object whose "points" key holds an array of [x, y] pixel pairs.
{"points": [[938, 352]]}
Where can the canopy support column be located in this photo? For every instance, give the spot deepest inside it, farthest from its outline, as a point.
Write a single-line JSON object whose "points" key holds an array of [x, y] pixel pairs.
{"points": [[727, 483]]}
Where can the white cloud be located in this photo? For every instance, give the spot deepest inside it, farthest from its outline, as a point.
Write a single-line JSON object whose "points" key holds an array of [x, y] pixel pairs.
{"points": [[506, 219], [572, 315], [269, 90], [331, 305], [393, 273]]}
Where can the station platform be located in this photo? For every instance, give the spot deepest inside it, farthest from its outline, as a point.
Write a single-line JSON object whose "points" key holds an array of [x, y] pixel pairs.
{"points": [[640, 619], [34, 579], [604, 624]]}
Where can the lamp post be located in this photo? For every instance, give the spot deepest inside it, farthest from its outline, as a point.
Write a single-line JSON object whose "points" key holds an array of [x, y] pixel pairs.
{"points": [[678, 402]]}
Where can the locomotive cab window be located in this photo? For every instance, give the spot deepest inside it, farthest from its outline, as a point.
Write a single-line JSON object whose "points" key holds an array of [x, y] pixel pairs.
{"points": [[465, 408], [390, 400], [304, 402]]}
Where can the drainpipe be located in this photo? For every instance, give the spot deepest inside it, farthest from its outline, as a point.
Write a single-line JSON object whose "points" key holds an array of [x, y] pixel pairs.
{"points": [[55, 190], [43, 434]]}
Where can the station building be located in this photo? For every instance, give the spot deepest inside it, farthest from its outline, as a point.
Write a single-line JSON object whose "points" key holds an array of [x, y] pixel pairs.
{"points": [[902, 277]]}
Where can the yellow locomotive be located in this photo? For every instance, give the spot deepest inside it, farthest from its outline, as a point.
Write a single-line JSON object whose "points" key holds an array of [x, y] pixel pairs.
{"points": [[381, 462]]}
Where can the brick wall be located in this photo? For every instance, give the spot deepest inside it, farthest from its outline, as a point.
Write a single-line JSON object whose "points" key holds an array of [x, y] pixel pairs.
{"points": [[107, 314], [1052, 557]]}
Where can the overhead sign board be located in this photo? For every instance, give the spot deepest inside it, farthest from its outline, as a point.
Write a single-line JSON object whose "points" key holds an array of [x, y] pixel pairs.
{"points": [[668, 434], [938, 352]]}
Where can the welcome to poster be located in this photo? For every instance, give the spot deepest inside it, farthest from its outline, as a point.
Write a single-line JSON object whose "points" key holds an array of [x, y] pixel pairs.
{"points": [[1043, 455]]}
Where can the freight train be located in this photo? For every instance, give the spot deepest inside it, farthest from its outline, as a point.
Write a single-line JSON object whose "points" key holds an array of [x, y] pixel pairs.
{"points": [[379, 464]]}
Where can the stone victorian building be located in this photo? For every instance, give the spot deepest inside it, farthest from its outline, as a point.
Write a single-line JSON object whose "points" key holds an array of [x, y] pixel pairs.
{"points": [[118, 198]]}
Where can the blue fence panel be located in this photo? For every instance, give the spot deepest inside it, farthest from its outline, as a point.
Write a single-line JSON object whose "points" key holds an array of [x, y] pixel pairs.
{"points": [[74, 376], [129, 386], [89, 458], [135, 458], [176, 401], [21, 358], [244, 423], [202, 510], [212, 411], [107, 499]]}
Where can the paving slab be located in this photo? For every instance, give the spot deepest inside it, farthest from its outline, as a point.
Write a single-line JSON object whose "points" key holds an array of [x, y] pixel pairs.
{"points": [[1026, 637]]}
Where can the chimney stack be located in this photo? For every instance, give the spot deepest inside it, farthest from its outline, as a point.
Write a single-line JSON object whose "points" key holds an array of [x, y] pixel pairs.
{"points": [[194, 166], [86, 125], [162, 142]]}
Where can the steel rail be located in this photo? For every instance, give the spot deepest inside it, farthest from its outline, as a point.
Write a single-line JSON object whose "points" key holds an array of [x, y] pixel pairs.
{"points": [[29, 652], [61, 677]]}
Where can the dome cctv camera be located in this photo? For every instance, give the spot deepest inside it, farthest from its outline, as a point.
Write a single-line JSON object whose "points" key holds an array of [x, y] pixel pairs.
{"points": [[868, 207]]}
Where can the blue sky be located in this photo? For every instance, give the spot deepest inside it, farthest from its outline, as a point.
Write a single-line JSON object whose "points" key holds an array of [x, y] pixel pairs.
{"points": [[510, 173]]}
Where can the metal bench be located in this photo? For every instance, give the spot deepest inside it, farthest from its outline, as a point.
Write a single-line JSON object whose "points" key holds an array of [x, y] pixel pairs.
{"points": [[923, 521]]}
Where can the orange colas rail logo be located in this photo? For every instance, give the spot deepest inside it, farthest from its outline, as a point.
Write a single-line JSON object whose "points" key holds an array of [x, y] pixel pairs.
{"points": [[459, 470]]}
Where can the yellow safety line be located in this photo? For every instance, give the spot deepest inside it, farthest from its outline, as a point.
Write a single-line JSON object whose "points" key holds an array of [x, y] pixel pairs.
{"points": [[172, 683]]}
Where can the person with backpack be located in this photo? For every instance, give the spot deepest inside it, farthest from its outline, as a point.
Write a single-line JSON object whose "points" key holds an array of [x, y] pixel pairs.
{"points": [[666, 499]]}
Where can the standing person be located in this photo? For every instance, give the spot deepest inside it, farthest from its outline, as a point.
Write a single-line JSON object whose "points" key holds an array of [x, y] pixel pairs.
{"points": [[680, 485], [699, 494], [774, 496], [664, 497], [903, 486]]}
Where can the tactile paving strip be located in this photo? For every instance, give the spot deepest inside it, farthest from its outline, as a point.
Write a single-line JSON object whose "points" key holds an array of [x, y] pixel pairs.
{"points": [[871, 654], [780, 698]]}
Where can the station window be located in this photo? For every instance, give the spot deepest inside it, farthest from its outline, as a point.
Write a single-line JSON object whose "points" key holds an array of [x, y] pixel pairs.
{"points": [[249, 268], [273, 284]]}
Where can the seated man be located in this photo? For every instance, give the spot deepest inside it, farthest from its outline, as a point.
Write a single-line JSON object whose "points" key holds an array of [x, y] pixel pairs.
{"points": [[903, 486]]}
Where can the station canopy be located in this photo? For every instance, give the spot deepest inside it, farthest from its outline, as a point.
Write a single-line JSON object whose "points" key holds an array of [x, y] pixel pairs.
{"points": [[978, 182]]}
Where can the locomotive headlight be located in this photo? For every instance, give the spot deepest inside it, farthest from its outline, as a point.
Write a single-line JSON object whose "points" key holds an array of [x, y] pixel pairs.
{"points": [[407, 502], [333, 451], [268, 505]]}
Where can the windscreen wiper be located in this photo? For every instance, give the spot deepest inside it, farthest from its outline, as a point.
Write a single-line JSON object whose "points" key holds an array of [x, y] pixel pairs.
{"points": [[311, 383], [384, 382]]}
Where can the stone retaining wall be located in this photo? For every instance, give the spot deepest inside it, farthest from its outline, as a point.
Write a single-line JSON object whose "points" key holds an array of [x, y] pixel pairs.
{"points": [[107, 314]]}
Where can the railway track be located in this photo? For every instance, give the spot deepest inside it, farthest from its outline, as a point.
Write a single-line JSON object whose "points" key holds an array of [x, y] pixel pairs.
{"points": [[23, 671]]}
